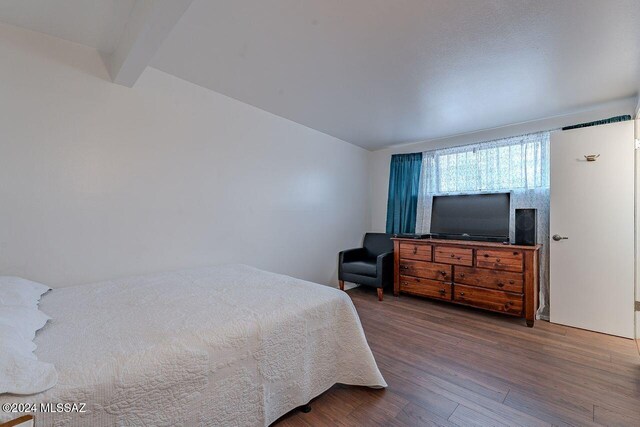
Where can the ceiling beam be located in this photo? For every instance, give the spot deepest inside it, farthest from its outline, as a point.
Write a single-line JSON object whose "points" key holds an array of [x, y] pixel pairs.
{"points": [[150, 23]]}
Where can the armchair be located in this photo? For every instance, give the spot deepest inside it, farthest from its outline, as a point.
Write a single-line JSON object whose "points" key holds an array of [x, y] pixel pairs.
{"points": [[370, 265]]}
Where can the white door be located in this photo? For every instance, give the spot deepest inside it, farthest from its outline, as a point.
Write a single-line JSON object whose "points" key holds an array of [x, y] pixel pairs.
{"points": [[592, 205]]}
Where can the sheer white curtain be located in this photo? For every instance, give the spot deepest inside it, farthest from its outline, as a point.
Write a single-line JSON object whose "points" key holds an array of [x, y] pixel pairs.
{"points": [[519, 165]]}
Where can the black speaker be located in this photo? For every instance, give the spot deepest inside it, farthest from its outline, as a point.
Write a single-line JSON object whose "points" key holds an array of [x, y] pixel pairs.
{"points": [[526, 227]]}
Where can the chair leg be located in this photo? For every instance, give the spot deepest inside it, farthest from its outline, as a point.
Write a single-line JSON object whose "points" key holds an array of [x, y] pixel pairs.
{"points": [[341, 283], [380, 292]]}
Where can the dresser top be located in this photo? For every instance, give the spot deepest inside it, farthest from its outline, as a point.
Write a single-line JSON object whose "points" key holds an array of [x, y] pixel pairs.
{"points": [[468, 243]]}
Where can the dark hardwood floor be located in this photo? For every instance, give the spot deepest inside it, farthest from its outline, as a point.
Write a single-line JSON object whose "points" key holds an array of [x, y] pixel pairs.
{"points": [[453, 366]]}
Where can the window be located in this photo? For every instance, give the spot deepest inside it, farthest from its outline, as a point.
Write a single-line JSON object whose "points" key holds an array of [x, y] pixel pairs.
{"points": [[507, 164]]}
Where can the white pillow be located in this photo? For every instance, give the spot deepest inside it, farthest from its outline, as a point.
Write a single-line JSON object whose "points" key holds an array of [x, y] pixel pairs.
{"points": [[20, 370], [22, 375], [25, 320], [11, 341], [19, 291]]}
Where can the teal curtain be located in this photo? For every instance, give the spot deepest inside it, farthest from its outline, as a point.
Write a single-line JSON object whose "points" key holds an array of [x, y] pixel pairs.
{"points": [[615, 119], [404, 183]]}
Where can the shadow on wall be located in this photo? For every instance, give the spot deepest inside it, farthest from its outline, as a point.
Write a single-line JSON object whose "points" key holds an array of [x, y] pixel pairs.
{"points": [[84, 59]]}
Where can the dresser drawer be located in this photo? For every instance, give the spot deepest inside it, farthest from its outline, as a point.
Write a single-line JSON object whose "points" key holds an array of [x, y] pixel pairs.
{"points": [[415, 251], [493, 279], [426, 270], [499, 259], [453, 255], [489, 299], [425, 287]]}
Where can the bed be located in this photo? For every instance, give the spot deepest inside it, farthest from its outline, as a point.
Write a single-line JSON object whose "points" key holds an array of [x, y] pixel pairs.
{"points": [[227, 345]]}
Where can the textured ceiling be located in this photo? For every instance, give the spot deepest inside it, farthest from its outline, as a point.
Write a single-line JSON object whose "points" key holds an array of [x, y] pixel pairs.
{"points": [[94, 23], [382, 72]]}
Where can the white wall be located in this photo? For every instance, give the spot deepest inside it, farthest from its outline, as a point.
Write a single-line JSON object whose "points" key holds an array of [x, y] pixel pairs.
{"points": [[381, 159], [637, 195], [99, 181]]}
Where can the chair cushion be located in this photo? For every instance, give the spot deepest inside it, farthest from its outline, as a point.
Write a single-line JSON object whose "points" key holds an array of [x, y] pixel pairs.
{"points": [[377, 243], [366, 267]]}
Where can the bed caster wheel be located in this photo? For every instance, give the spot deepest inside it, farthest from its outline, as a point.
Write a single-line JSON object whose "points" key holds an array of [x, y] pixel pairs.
{"points": [[306, 409]]}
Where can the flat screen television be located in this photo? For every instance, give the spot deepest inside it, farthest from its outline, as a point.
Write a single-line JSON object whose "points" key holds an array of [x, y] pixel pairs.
{"points": [[472, 216]]}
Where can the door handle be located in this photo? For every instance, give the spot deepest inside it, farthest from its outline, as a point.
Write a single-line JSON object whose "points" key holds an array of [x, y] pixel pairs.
{"points": [[558, 237]]}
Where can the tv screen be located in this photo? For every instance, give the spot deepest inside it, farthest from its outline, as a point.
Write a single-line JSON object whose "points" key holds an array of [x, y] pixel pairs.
{"points": [[482, 215]]}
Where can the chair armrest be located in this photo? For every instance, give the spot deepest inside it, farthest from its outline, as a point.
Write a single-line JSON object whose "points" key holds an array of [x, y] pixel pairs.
{"points": [[384, 267], [384, 259], [351, 254]]}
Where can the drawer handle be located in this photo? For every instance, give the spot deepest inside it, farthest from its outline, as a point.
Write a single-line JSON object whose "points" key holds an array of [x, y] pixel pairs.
{"points": [[415, 250], [461, 274], [406, 267], [511, 282], [516, 253], [453, 255], [442, 291], [404, 283], [497, 259], [444, 273], [508, 304], [500, 284], [486, 255], [461, 294]]}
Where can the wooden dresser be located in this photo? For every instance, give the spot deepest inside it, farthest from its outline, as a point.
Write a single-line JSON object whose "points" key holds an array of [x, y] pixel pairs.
{"points": [[491, 276]]}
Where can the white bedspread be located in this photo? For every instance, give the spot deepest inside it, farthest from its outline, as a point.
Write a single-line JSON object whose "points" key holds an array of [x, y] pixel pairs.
{"points": [[229, 345]]}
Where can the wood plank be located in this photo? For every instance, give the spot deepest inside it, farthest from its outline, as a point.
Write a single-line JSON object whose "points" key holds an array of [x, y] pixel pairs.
{"points": [[22, 421], [416, 250], [415, 415], [453, 255], [425, 287], [556, 413], [531, 292], [610, 417], [499, 259], [425, 270], [470, 243], [464, 416], [498, 410], [452, 365], [488, 299], [396, 267], [492, 279]]}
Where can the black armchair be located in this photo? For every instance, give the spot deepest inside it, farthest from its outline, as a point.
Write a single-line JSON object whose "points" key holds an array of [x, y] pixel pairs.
{"points": [[371, 265]]}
